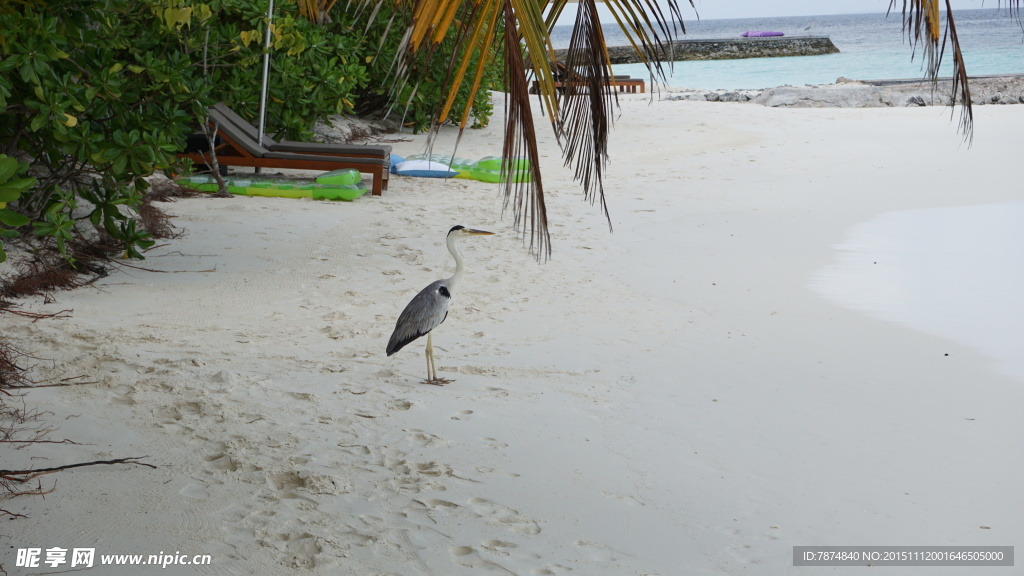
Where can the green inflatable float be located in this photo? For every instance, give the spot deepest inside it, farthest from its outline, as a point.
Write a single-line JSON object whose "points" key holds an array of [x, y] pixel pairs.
{"points": [[336, 185], [486, 169]]}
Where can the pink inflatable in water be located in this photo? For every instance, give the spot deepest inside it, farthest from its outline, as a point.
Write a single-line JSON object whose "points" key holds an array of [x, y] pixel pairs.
{"points": [[759, 33]]}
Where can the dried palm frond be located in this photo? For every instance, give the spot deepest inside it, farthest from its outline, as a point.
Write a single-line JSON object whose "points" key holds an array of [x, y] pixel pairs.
{"points": [[922, 24], [581, 117], [527, 198], [586, 111], [316, 11]]}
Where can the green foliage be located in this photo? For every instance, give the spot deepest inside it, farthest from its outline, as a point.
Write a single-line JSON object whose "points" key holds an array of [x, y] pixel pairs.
{"points": [[135, 239], [100, 94], [419, 101], [12, 184], [339, 67], [315, 70], [97, 98], [56, 223]]}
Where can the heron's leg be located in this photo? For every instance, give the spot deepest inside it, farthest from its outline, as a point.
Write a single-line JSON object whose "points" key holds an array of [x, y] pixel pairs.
{"points": [[430, 359], [432, 366]]}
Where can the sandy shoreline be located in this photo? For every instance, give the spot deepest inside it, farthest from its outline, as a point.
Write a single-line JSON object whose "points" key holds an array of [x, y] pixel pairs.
{"points": [[670, 399]]}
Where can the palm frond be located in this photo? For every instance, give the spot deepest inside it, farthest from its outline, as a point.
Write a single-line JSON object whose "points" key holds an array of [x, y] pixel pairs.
{"points": [[476, 27], [586, 110], [922, 26], [316, 11], [960, 81], [527, 198], [479, 42], [581, 117], [586, 106], [649, 30], [1013, 8]]}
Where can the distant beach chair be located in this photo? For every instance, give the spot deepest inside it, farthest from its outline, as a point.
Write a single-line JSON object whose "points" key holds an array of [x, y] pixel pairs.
{"points": [[564, 77], [240, 147]]}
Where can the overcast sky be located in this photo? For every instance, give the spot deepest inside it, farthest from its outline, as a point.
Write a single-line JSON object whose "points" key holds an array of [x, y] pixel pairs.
{"points": [[716, 9]]}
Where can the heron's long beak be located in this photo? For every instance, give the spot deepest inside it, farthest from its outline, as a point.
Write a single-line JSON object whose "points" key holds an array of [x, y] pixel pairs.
{"points": [[477, 232]]}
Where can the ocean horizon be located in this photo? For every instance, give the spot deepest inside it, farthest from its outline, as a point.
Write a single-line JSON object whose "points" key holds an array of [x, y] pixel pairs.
{"points": [[871, 47]]}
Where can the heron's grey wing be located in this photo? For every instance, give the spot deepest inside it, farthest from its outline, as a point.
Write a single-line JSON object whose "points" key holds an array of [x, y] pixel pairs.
{"points": [[423, 313]]}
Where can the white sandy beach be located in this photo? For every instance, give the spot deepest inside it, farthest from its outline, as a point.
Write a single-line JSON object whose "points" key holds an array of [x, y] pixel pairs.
{"points": [[696, 393]]}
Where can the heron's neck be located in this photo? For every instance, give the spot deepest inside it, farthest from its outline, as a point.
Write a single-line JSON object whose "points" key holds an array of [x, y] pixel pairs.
{"points": [[459, 263]]}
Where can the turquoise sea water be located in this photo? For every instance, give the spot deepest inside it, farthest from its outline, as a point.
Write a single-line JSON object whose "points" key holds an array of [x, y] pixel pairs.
{"points": [[872, 47]]}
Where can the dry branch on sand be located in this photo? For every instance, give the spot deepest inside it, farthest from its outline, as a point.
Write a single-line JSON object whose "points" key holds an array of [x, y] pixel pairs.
{"points": [[21, 426], [11, 480]]}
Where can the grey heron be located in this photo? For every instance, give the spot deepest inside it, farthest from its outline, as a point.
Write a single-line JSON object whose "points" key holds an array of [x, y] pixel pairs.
{"points": [[429, 308]]}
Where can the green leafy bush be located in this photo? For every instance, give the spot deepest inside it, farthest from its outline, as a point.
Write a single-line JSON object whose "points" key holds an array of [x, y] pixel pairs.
{"points": [[11, 187], [93, 97], [316, 70], [100, 94], [417, 103]]}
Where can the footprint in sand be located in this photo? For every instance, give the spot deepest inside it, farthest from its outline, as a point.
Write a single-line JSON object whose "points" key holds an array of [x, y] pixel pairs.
{"points": [[285, 480], [218, 458], [595, 551], [354, 538], [166, 414], [438, 505], [123, 395], [323, 484], [429, 468], [470, 558], [188, 409], [462, 415], [299, 549], [424, 439], [287, 485], [195, 491], [551, 569], [222, 462], [498, 515], [354, 449], [625, 498], [498, 546], [304, 396], [399, 405]]}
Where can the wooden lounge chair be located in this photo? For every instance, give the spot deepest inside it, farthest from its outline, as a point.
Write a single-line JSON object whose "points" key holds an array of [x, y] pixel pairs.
{"points": [[564, 77], [222, 114], [239, 147], [625, 84]]}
